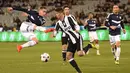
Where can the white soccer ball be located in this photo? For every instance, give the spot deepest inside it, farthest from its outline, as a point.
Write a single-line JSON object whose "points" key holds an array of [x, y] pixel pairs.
{"points": [[45, 57]]}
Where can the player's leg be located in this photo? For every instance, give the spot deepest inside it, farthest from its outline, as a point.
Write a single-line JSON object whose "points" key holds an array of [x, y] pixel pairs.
{"points": [[64, 47], [97, 46], [96, 42], [70, 52], [118, 49], [27, 31], [32, 41], [112, 42]]}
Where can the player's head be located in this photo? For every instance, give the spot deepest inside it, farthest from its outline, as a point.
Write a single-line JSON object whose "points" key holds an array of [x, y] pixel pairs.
{"points": [[116, 9], [59, 13], [66, 10], [90, 15], [42, 11]]}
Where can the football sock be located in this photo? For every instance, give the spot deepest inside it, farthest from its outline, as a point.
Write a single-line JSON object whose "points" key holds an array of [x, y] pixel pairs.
{"points": [[64, 55], [74, 64], [117, 53], [29, 43], [97, 47], [87, 48]]}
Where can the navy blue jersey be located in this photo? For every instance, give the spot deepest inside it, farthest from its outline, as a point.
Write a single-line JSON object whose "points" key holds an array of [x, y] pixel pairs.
{"points": [[114, 20], [33, 16], [91, 24]]}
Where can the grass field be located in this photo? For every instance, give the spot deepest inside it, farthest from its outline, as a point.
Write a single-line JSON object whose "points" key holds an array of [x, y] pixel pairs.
{"points": [[28, 60]]}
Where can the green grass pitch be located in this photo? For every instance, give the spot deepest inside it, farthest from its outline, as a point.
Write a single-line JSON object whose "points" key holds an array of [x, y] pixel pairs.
{"points": [[28, 60]]}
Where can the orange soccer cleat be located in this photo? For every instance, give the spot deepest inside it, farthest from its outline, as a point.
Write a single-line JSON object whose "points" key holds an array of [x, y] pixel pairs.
{"points": [[19, 48]]}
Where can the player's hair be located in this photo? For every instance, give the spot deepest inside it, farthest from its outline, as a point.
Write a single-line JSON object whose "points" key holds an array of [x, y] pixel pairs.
{"points": [[91, 13], [115, 5], [60, 10], [42, 7], [66, 7]]}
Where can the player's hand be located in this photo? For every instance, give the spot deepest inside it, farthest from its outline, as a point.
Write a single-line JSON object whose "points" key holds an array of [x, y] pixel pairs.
{"points": [[76, 31], [9, 8], [113, 27], [124, 31]]}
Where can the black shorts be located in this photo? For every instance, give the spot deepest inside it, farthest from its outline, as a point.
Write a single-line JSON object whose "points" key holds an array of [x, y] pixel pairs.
{"points": [[64, 40], [78, 46]]}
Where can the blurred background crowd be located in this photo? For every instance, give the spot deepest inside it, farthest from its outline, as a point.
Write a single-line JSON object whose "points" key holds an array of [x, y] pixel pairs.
{"points": [[11, 21]]}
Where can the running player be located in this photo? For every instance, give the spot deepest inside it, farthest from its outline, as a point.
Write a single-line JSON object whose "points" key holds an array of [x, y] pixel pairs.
{"points": [[91, 23], [34, 22], [75, 26], [74, 39], [115, 23]]}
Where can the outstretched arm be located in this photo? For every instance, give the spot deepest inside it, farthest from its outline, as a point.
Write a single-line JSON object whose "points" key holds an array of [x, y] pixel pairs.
{"points": [[18, 9]]}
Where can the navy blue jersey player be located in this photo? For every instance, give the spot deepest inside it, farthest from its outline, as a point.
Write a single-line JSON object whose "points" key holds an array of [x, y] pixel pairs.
{"points": [[34, 22], [91, 23], [115, 23]]}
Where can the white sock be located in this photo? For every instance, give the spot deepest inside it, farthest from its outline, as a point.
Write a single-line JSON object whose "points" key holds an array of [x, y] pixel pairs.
{"points": [[97, 47], [118, 50], [29, 43]]}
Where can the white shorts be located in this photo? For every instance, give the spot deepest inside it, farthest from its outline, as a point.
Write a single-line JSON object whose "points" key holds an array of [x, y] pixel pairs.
{"points": [[114, 39], [93, 36], [27, 29]]}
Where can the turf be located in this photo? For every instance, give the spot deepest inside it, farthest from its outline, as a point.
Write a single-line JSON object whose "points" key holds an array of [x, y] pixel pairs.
{"points": [[28, 60]]}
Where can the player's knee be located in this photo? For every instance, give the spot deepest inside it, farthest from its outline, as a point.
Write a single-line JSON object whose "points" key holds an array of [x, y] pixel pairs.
{"points": [[35, 39], [118, 44], [96, 41], [64, 47], [69, 56], [81, 53]]}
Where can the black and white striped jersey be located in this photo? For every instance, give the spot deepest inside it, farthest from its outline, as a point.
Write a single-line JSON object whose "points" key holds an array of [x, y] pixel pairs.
{"points": [[65, 27], [70, 19]]}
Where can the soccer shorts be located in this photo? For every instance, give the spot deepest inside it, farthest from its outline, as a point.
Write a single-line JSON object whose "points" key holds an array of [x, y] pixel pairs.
{"points": [[78, 46], [93, 36], [64, 39], [27, 29], [114, 39]]}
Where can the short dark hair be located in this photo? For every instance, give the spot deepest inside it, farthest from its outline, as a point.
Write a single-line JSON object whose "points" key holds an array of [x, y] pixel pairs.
{"points": [[42, 7], [66, 7], [60, 10]]}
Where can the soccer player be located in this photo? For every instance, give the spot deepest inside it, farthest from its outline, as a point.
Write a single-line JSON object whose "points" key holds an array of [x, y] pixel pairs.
{"points": [[115, 23], [75, 26], [74, 39], [34, 22], [91, 24]]}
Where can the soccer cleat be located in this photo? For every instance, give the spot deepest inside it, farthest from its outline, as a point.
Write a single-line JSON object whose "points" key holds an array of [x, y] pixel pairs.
{"points": [[64, 62], [19, 48], [98, 54], [117, 62]]}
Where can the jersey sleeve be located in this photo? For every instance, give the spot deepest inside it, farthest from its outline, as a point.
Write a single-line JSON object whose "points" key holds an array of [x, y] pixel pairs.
{"points": [[57, 28], [24, 10], [20, 9], [107, 20], [76, 26], [122, 22]]}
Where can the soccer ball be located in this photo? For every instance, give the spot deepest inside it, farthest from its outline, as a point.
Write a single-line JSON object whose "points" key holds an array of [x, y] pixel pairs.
{"points": [[45, 57]]}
